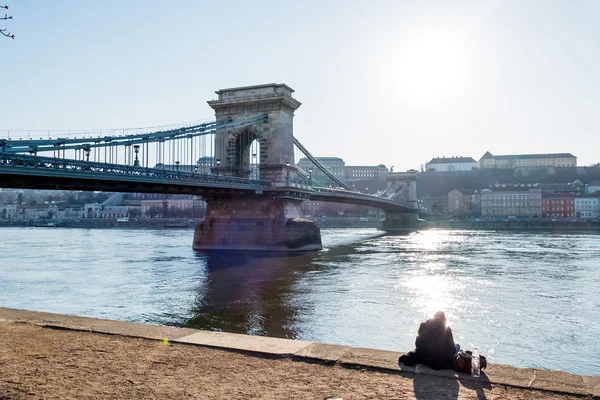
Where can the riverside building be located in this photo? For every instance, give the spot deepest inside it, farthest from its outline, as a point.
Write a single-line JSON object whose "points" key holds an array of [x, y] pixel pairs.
{"points": [[507, 200], [586, 207], [464, 201], [558, 205]]}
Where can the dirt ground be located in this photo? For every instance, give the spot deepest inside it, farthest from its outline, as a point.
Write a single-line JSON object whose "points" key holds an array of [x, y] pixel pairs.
{"points": [[42, 363]]}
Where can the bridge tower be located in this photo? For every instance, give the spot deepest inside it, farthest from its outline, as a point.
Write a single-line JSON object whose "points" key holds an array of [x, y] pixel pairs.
{"points": [[258, 221], [275, 136], [403, 185]]}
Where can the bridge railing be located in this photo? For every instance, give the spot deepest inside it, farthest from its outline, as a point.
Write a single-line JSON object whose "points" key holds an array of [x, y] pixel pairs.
{"points": [[359, 196], [8, 160]]}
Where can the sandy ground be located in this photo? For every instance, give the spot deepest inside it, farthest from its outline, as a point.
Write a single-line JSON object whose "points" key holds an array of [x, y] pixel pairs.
{"points": [[42, 363]]}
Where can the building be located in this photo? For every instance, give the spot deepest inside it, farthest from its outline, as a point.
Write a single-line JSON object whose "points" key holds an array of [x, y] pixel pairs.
{"points": [[507, 200], [592, 187], [177, 167], [312, 208], [576, 188], [173, 208], [586, 207], [558, 205], [488, 160], [205, 165], [9, 212], [362, 173], [464, 201], [451, 164], [434, 204], [334, 165]]}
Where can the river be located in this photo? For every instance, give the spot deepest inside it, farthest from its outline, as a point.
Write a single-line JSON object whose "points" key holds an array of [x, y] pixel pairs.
{"points": [[525, 299]]}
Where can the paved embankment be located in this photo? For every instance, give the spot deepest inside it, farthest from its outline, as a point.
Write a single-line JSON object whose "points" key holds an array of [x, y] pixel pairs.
{"points": [[91, 358]]}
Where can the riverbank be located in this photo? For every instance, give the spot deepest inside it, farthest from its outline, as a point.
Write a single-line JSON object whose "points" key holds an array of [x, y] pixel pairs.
{"points": [[542, 225], [166, 223], [153, 223], [57, 356]]}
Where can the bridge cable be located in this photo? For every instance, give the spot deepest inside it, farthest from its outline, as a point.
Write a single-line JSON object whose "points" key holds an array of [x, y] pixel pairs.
{"points": [[320, 166]]}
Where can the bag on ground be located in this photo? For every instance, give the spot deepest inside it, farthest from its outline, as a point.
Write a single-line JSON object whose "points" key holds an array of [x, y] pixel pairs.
{"points": [[463, 361]]}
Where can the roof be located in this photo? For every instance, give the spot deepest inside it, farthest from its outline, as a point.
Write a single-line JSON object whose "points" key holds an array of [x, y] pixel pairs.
{"points": [[380, 166], [328, 159], [560, 187], [514, 187], [465, 192], [449, 160], [305, 159], [595, 183], [558, 195], [487, 155], [528, 156]]}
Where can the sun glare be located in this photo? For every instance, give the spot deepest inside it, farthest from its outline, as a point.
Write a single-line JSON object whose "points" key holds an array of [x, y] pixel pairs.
{"points": [[431, 69]]}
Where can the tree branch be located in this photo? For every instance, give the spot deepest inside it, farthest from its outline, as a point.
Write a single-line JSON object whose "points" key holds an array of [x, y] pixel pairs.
{"points": [[8, 35], [3, 31]]}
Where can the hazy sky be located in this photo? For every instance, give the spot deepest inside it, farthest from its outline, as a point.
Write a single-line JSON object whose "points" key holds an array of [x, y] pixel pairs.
{"points": [[394, 82]]}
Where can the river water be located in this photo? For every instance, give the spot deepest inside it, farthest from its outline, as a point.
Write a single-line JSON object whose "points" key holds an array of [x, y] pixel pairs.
{"points": [[525, 299]]}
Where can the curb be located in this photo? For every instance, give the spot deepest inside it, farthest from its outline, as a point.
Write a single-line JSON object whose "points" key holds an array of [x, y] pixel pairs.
{"points": [[350, 357]]}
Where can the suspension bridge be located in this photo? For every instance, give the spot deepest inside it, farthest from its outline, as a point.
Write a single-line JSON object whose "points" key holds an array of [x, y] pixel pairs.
{"points": [[244, 163]]}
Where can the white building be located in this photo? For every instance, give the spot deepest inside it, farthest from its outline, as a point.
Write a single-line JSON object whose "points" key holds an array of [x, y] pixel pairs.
{"points": [[586, 207], [354, 173], [451, 164], [505, 200]]}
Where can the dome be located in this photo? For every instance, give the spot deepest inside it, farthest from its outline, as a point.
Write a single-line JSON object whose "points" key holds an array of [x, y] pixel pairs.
{"points": [[578, 183]]}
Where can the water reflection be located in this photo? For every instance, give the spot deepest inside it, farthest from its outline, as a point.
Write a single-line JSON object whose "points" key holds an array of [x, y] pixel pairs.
{"points": [[248, 292]]}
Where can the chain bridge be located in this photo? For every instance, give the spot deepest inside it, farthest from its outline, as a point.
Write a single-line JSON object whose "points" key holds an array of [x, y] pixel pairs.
{"points": [[244, 164]]}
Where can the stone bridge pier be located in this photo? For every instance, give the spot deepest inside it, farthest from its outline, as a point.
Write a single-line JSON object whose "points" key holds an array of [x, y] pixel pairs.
{"points": [[402, 187], [268, 221]]}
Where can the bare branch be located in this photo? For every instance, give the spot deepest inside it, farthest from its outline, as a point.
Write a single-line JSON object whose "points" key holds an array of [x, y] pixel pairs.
{"points": [[8, 35], [4, 31]]}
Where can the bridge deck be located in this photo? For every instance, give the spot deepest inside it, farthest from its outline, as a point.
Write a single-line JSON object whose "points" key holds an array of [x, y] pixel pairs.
{"points": [[33, 172]]}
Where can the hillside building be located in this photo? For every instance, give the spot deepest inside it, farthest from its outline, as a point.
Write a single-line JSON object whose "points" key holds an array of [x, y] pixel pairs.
{"points": [[365, 172], [451, 164], [488, 160]]}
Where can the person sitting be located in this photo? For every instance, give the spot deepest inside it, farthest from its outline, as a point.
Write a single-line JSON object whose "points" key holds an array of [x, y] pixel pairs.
{"points": [[435, 345]]}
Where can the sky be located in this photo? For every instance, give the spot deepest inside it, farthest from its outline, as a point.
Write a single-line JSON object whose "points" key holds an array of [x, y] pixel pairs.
{"points": [[381, 82]]}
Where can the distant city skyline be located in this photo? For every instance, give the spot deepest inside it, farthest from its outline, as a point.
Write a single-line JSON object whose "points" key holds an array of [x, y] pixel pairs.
{"points": [[392, 82]]}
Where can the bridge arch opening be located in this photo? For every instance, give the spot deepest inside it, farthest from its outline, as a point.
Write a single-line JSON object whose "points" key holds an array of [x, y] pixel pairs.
{"points": [[247, 153]]}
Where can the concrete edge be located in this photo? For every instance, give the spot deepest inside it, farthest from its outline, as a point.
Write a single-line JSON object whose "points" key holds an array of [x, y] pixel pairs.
{"points": [[350, 357]]}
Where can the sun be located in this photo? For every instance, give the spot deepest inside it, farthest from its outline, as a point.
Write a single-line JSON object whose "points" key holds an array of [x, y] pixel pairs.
{"points": [[432, 68]]}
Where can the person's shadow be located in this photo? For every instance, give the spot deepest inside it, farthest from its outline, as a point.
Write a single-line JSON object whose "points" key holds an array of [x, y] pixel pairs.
{"points": [[430, 387], [478, 385]]}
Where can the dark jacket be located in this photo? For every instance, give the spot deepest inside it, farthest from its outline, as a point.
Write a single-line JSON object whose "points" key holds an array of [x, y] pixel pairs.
{"points": [[435, 345]]}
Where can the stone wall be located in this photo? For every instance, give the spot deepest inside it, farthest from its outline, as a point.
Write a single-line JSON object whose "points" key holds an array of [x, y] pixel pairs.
{"points": [[256, 224]]}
